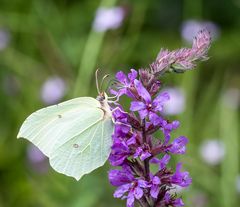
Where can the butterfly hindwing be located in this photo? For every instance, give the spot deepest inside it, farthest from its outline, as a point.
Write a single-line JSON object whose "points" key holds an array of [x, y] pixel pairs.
{"points": [[86, 152]]}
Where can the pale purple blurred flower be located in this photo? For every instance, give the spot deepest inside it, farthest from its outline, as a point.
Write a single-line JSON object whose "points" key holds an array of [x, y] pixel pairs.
{"points": [[190, 28], [34, 154], [108, 18], [4, 38], [238, 183], [212, 151], [53, 90], [176, 103], [231, 98], [37, 160]]}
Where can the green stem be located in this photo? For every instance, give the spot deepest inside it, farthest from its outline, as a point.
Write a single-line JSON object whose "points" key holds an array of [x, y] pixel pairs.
{"points": [[90, 55]]}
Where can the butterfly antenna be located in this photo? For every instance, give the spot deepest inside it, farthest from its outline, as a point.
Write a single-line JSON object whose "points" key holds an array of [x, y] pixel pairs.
{"points": [[96, 78], [104, 77]]}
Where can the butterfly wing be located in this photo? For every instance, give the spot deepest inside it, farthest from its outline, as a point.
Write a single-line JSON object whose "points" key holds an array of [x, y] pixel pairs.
{"points": [[55, 129]]}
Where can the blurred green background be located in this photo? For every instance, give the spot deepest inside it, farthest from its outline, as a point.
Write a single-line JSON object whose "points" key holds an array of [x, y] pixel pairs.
{"points": [[49, 50]]}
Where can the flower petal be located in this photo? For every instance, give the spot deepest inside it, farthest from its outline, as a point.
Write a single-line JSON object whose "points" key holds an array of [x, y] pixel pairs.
{"points": [[121, 190], [130, 199], [137, 105], [154, 191], [120, 177], [179, 145], [121, 77], [132, 75], [142, 92], [145, 155], [143, 184], [159, 100], [164, 161], [143, 113], [138, 192], [156, 180], [155, 119]]}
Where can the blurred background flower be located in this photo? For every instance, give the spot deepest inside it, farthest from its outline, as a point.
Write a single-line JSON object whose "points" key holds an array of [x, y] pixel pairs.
{"points": [[37, 160], [190, 28], [177, 102], [4, 38], [212, 151], [108, 18], [53, 90]]}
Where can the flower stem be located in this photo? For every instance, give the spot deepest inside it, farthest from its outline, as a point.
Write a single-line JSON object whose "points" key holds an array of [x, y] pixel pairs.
{"points": [[146, 161], [143, 202]]}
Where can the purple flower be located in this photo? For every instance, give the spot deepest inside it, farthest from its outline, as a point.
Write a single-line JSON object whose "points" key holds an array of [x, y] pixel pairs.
{"points": [[167, 128], [122, 127], [147, 106], [120, 151], [161, 162], [127, 183], [125, 83], [170, 200], [142, 152], [154, 183], [178, 146], [181, 178]]}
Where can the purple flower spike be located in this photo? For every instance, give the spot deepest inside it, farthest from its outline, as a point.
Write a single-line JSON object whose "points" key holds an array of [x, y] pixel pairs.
{"points": [[135, 145]]}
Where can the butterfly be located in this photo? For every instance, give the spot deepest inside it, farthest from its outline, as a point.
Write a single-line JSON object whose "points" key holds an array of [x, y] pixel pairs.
{"points": [[75, 135]]}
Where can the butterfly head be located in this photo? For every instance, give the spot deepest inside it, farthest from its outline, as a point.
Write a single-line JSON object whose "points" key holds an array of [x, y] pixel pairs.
{"points": [[102, 96]]}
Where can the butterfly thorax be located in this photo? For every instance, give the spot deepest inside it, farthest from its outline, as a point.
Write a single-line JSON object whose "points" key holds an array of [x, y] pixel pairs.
{"points": [[103, 99]]}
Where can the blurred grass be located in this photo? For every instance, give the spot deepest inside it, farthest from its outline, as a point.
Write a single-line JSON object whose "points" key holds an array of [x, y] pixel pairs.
{"points": [[56, 38]]}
